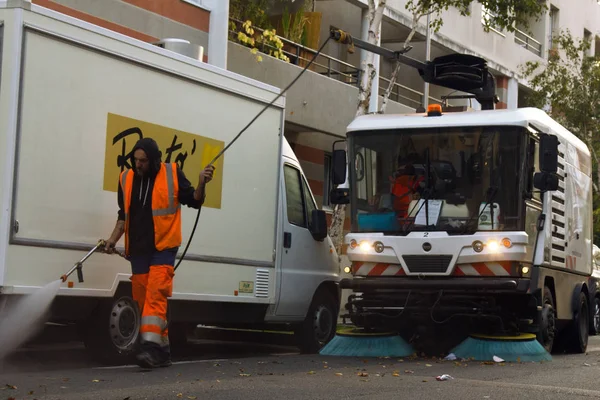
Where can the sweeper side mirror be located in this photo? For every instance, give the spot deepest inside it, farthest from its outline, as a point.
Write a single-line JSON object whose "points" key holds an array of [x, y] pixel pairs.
{"points": [[547, 179], [548, 153], [338, 159]]}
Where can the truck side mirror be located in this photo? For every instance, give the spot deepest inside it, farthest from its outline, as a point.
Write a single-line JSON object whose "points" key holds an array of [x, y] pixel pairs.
{"points": [[338, 159], [339, 196], [318, 226], [548, 153]]}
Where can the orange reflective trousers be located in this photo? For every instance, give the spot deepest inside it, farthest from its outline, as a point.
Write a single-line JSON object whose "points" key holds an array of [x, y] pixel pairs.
{"points": [[151, 291]]}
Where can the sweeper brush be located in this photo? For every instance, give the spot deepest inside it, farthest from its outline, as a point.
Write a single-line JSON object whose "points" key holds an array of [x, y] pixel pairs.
{"points": [[522, 348], [354, 342]]}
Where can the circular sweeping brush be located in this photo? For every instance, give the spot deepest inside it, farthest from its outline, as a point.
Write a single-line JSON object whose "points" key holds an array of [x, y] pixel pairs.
{"points": [[356, 342], [518, 348]]}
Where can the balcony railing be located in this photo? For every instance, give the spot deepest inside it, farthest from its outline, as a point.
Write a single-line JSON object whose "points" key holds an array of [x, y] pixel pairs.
{"points": [[526, 41], [335, 69]]}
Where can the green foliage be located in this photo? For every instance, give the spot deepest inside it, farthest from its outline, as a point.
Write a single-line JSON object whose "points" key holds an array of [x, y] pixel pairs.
{"points": [[252, 10], [505, 14], [570, 84]]}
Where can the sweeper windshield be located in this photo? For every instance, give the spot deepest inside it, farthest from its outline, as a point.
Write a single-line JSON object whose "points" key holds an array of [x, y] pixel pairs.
{"points": [[458, 179]]}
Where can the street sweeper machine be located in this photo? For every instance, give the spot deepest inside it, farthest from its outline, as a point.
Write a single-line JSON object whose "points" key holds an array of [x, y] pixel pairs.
{"points": [[474, 221], [74, 99]]}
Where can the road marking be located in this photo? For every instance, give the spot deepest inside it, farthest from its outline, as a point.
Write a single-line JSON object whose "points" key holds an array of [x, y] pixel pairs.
{"points": [[175, 363]]}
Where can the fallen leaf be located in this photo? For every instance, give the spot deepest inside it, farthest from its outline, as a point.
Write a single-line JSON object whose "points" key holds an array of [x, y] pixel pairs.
{"points": [[30, 392], [428, 365], [191, 397], [401, 360], [325, 366], [13, 387], [395, 373], [179, 394], [339, 374], [218, 381], [311, 372], [408, 371], [245, 375], [363, 374], [217, 365], [424, 380], [95, 380], [127, 398]]}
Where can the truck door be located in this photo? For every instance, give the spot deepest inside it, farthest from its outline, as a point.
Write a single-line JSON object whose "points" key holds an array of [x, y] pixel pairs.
{"points": [[305, 261]]}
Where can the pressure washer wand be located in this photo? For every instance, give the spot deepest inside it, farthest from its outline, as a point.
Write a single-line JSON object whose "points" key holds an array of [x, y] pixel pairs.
{"points": [[79, 264]]}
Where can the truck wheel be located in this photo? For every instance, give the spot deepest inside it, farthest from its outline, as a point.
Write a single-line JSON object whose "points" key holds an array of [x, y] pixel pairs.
{"points": [[112, 331], [578, 332], [595, 317], [320, 323], [547, 329]]}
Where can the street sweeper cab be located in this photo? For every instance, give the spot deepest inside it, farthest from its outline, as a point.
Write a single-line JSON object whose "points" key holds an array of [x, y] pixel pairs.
{"points": [[466, 222], [494, 229]]}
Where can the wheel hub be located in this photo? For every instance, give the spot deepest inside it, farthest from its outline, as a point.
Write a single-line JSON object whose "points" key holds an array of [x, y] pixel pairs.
{"points": [[323, 323], [548, 325], [597, 315], [124, 324]]}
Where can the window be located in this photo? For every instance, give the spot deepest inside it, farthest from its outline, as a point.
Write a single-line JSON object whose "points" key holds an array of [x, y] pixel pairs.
{"points": [[310, 204], [294, 197]]}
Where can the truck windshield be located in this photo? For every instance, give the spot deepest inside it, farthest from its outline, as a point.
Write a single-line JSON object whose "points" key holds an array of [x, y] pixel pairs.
{"points": [[457, 180]]}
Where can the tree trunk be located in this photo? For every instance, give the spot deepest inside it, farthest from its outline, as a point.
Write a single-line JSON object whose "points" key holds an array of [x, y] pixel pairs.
{"points": [[394, 77], [336, 230]]}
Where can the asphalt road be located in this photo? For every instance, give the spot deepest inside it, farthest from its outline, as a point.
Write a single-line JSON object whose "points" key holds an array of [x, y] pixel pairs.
{"points": [[217, 370]]}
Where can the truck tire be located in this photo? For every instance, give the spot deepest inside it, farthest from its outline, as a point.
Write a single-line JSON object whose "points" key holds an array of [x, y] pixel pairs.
{"points": [[319, 326], [595, 316], [577, 333], [111, 333], [547, 328]]}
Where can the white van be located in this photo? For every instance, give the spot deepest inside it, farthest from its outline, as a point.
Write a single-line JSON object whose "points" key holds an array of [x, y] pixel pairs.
{"points": [[74, 98]]}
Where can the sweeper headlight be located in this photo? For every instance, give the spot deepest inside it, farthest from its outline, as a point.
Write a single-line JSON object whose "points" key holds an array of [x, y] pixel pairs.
{"points": [[378, 246], [353, 244], [365, 246]]}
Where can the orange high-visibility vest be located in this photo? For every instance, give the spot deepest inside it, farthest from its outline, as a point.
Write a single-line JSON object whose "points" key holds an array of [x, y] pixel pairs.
{"points": [[403, 188], [166, 209]]}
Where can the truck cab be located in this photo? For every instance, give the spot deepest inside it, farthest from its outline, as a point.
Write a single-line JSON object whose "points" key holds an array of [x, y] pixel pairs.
{"points": [[468, 220]]}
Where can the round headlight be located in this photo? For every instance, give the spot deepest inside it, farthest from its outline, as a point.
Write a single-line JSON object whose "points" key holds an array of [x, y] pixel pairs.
{"points": [[353, 244], [378, 247], [347, 270], [365, 246], [478, 246], [506, 242]]}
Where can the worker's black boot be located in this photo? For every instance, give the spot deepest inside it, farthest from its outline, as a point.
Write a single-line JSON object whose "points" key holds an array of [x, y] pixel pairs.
{"points": [[153, 356]]}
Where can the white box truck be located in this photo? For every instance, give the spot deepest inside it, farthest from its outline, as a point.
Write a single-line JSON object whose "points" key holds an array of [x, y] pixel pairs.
{"points": [[74, 98]]}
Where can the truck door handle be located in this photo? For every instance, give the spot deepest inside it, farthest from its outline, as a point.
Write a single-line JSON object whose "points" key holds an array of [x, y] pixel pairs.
{"points": [[287, 240]]}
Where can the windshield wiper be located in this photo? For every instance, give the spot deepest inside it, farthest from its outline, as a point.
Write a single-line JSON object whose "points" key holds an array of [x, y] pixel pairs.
{"points": [[492, 191]]}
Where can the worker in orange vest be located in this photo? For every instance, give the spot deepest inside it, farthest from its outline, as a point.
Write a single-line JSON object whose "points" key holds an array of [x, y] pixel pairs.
{"points": [[150, 199], [405, 184]]}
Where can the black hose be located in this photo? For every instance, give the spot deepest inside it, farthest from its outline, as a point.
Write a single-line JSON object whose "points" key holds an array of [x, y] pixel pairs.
{"points": [[243, 130]]}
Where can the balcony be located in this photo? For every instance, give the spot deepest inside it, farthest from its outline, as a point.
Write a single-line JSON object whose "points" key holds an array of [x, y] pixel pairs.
{"points": [[529, 43], [328, 67]]}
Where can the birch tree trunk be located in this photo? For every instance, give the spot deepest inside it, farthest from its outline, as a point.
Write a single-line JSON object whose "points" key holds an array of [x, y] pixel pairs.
{"points": [[375, 16], [416, 18]]}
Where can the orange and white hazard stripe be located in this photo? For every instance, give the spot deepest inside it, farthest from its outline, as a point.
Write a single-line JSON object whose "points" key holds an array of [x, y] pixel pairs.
{"points": [[484, 269], [376, 269], [473, 269]]}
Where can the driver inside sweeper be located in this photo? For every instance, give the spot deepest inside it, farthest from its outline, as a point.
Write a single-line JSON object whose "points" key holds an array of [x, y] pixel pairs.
{"points": [[149, 199]]}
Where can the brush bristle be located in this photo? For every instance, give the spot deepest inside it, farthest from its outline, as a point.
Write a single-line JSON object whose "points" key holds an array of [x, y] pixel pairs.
{"points": [[367, 346], [511, 351]]}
